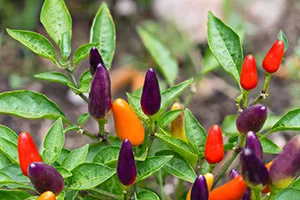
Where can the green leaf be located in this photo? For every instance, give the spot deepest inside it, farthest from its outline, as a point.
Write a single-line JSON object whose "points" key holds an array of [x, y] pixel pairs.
{"points": [[108, 155], [135, 103], [14, 172], [8, 134], [295, 184], [72, 127], [53, 142], [89, 175], [168, 117], [64, 172], [71, 194], [32, 198], [63, 154], [232, 141], [179, 147], [4, 160], [225, 45], [9, 149], [35, 42], [11, 184], [168, 96], [141, 152], [61, 196], [195, 133], [269, 146], [65, 45], [147, 195], [180, 168], [13, 195], [56, 77], [83, 118], [82, 52], [85, 81], [94, 148], [288, 193], [166, 62], [28, 104], [111, 187], [281, 36], [289, 121], [57, 20], [75, 158], [150, 166], [103, 32]]}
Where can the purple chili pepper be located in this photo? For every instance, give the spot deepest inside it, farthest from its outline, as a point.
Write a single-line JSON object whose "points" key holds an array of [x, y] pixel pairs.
{"points": [[286, 165], [253, 143], [254, 171], [99, 103], [252, 119], [247, 194], [233, 173], [95, 59], [126, 169], [45, 178], [151, 98], [199, 189]]}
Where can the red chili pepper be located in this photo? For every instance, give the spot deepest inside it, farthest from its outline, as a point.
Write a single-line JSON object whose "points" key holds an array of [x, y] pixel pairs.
{"points": [[249, 77], [27, 151], [272, 60], [232, 190], [214, 148]]}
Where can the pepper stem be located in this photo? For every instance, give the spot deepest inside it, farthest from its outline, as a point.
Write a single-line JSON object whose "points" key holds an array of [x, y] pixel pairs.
{"points": [[255, 194], [263, 93], [179, 189], [235, 152], [245, 98]]}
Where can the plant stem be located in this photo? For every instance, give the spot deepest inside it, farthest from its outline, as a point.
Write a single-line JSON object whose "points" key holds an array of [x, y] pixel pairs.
{"points": [[83, 97], [162, 193], [73, 78], [90, 135], [245, 98], [101, 124], [273, 194], [236, 150], [255, 194], [152, 134], [263, 93], [102, 134], [179, 189], [125, 194]]}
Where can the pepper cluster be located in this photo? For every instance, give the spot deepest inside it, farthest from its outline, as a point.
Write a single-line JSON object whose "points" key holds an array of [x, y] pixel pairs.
{"points": [[128, 127], [44, 178]]}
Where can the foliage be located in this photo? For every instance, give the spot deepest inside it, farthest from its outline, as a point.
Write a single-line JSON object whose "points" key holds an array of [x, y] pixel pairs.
{"points": [[89, 172]]}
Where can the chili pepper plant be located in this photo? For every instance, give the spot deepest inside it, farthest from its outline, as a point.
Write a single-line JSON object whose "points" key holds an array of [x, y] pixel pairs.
{"points": [[155, 135]]}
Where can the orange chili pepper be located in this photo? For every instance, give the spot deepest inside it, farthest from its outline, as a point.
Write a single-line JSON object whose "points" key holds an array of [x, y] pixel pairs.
{"points": [[232, 190], [127, 124], [47, 196]]}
